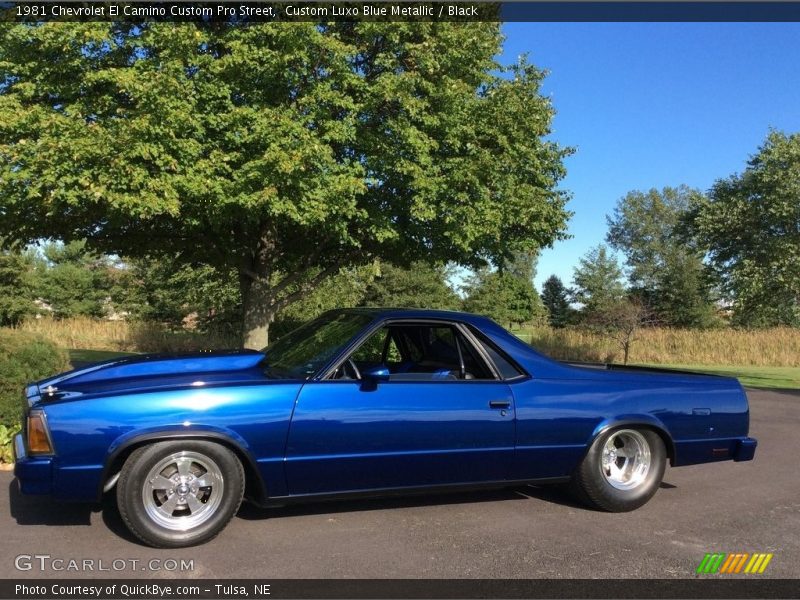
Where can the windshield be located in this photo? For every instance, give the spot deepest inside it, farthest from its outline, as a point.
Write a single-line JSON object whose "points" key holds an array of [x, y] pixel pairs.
{"points": [[304, 351]]}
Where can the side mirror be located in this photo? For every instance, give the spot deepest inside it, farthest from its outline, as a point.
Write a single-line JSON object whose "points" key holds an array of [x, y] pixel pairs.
{"points": [[375, 375]]}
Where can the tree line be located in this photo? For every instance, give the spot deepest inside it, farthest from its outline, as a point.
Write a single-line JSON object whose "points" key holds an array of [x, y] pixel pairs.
{"points": [[67, 280], [691, 260], [695, 259]]}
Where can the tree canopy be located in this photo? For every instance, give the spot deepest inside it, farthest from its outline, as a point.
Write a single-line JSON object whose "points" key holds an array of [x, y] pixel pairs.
{"points": [[597, 281], [420, 286], [665, 267], [283, 153], [16, 286], [555, 298], [504, 297], [750, 226]]}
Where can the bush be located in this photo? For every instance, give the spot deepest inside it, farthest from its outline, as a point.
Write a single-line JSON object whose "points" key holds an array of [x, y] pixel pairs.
{"points": [[24, 358]]}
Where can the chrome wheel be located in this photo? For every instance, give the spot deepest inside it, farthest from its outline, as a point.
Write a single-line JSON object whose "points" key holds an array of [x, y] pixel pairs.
{"points": [[183, 490], [626, 459]]}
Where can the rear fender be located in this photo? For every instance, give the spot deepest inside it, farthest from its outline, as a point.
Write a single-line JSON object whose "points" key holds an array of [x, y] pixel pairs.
{"points": [[635, 421]]}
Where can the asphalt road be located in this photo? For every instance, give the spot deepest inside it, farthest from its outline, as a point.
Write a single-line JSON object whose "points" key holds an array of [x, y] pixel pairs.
{"points": [[525, 532]]}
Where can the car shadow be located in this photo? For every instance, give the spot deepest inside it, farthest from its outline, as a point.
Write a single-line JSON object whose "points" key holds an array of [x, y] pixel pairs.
{"points": [[42, 510], [553, 494]]}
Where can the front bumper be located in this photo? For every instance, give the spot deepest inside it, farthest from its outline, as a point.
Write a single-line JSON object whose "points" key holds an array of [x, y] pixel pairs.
{"points": [[745, 449], [34, 473]]}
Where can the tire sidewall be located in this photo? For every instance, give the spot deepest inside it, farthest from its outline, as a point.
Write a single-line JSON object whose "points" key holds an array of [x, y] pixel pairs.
{"points": [[134, 473]]}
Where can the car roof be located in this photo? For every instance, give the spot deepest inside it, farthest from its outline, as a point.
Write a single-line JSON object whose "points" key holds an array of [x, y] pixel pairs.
{"points": [[415, 313]]}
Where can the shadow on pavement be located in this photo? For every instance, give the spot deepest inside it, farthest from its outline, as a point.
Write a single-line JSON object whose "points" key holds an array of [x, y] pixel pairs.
{"points": [[42, 510], [553, 494]]}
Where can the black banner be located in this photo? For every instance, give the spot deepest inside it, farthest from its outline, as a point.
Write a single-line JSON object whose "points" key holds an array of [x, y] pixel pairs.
{"points": [[189, 589], [383, 10]]}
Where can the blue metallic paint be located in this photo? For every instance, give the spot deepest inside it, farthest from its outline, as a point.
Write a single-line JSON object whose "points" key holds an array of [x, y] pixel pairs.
{"points": [[322, 437]]}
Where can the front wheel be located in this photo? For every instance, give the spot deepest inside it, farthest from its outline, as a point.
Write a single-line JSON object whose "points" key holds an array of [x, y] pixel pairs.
{"points": [[181, 493], [622, 470]]}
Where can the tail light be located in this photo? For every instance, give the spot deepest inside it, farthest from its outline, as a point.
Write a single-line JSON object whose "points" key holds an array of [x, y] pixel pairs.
{"points": [[38, 436]]}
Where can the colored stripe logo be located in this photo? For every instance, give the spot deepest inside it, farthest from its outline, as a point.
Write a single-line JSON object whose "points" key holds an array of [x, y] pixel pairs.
{"points": [[736, 562]]}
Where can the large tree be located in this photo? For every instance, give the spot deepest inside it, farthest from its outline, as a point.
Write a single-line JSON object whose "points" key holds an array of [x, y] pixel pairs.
{"points": [[597, 282], [555, 298], [285, 152], [419, 286], [750, 225], [504, 297], [665, 267], [16, 285], [155, 289], [72, 280]]}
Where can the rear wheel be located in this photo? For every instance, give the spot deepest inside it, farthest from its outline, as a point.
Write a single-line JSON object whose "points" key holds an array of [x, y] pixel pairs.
{"points": [[180, 493], [622, 470]]}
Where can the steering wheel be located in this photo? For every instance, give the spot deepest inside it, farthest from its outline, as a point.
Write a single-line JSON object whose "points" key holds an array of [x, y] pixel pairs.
{"points": [[350, 370]]}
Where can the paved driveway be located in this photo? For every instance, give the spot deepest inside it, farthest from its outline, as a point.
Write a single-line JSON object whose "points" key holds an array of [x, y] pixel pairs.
{"points": [[524, 532]]}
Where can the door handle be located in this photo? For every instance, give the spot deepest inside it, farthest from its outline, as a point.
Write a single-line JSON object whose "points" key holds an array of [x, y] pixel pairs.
{"points": [[499, 403]]}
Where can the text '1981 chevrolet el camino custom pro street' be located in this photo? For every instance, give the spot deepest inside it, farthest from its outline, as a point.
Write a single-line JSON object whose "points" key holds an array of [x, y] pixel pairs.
{"points": [[364, 401]]}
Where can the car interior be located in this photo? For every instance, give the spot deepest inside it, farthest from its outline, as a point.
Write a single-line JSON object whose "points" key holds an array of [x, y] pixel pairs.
{"points": [[417, 352]]}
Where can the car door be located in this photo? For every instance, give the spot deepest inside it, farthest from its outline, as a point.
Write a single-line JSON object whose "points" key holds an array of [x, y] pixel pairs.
{"points": [[443, 417]]}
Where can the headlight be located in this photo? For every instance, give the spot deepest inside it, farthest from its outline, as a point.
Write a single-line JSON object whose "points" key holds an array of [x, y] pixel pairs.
{"points": [[38, 436]]}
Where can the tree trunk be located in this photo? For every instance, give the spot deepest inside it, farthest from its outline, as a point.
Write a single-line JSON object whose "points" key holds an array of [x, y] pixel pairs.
{"points": [[258, 312]]}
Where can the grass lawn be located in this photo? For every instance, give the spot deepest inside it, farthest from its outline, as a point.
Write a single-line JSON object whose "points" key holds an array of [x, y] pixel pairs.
{"points": [[760, 377], [90, 356]]}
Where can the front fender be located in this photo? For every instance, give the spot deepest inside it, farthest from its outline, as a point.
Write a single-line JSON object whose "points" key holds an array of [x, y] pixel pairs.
{"points": [[123, 446], [162, 432]]}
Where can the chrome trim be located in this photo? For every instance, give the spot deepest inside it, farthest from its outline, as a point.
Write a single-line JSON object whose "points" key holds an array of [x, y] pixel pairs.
{"points": [[19, 448], [111, 482]]}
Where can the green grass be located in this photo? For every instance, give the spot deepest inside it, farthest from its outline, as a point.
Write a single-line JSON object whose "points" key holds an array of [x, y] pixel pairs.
{"points": [[86, 356], [759, 377]]}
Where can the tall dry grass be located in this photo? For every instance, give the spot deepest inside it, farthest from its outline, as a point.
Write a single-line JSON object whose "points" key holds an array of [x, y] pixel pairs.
{"points": [[777, 347], [124, 336]]}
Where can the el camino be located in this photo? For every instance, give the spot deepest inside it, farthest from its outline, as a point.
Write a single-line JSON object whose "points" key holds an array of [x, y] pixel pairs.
{"points": [[364, 401]]}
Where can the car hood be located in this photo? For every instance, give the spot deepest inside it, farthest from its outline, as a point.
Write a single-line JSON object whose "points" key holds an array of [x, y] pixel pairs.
{"points": [[152, 371]]}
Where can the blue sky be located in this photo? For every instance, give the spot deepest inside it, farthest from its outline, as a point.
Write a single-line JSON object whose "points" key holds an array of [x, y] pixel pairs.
{"points": [[656, 104]]}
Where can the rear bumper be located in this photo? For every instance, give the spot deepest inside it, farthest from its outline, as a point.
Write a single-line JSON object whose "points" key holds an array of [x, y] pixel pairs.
{"points": [[34, 474], [745, 449]]}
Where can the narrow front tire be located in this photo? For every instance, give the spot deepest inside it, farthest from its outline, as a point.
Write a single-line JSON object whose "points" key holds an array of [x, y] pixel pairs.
{"points": [[179, 493]]}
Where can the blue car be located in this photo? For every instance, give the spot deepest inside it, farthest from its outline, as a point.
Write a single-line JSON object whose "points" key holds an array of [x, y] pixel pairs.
{"points": [[364, 401]]}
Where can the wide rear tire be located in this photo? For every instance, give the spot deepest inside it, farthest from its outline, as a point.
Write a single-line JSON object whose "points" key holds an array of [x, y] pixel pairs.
{"points": [[622, 470]]}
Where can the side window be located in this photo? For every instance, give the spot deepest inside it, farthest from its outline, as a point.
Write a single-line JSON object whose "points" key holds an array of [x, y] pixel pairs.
{"points": [[371, 351], [435, 352], [506, 368], [392, 352]]}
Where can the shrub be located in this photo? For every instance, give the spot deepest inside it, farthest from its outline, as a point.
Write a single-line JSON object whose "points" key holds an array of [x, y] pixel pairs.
{"points": [[24, 358]]}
